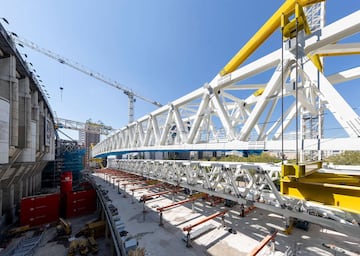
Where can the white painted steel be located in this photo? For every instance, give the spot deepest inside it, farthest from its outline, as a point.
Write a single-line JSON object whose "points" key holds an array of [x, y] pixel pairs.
{"points": [[248, 183], [226, 115], [4, 131]]}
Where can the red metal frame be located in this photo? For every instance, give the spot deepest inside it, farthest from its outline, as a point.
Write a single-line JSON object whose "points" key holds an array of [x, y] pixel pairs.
{"points": [[146, 187], [262, 244], [160, 193], [161, 209], [213, 216]]}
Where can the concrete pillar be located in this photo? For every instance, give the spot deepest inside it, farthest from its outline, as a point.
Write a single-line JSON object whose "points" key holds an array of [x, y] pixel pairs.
{"points": [[26, 186], [41, 127], [36, 106], [14, 103], [9, 89], [12, 202], [17, 192], [38, 181], [30, 185], [33, 185], [21, 189], [25, 127]]}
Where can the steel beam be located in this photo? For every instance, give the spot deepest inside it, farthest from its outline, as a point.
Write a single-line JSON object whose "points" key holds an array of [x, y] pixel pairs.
{"points": [[337, 190], [263, 243], [213, 216], [208, 177]]}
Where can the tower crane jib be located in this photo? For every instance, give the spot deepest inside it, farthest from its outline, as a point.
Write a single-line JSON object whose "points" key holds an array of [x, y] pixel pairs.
{"points": [[77, 66]]}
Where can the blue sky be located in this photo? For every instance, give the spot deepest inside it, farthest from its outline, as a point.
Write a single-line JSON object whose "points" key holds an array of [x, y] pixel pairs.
{"points": [[162, 49]]}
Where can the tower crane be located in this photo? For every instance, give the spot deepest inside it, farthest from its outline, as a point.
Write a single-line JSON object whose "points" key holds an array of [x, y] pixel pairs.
{"points": [[89, 127], [77, 66]]}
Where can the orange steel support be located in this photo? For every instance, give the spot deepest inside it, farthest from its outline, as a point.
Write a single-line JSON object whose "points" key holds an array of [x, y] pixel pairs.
{"points": [[161, 209], [160, 193], [262, 244], [133, 183], [213, 216], [146, 187]]}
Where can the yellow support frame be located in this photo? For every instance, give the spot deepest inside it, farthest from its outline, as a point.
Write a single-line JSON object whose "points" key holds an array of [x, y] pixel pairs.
{"points": [[337, 190], [273, 23]]}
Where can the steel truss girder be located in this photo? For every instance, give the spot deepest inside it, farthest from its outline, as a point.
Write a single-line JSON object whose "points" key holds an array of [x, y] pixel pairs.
{"points": [[217, 116], [248, 183]]}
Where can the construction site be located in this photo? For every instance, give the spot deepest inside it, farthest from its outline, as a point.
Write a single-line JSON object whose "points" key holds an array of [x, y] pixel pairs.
{"points": [[166, 183]]}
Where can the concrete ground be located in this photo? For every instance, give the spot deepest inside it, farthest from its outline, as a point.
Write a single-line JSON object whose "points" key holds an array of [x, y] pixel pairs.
{"points": [[60, 247], [250, 230]]}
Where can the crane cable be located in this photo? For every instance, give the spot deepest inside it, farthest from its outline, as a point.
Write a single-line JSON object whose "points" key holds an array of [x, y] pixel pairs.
{"points": [[296, 87], [282, 89]]}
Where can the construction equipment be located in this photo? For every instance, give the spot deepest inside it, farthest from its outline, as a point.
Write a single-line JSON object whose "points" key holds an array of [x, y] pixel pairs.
{"points": [[75, 65], [80, 245], [72, 248], [83, 246], [93, 229], [88, 127], [64, 227], [93, 245], [18, 230]]}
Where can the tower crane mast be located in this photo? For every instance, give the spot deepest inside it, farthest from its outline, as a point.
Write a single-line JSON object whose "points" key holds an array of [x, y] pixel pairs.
{"points": [[79, 67]]}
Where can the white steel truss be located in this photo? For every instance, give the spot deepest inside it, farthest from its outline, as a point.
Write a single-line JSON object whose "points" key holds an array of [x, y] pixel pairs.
{"points": [[231, 113], [248, 183]]}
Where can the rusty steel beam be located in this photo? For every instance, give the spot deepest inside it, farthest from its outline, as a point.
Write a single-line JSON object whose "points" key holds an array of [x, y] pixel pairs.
{"points": [[134, 183], [262, 244], [161, 209], [146, 187], [213, 216], [161, 193]]}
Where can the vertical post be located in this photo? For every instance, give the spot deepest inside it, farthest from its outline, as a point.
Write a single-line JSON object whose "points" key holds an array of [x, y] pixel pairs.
{"points": [[161, 219], [124, 191], [188, 240], [223, 220], [119, 192]]}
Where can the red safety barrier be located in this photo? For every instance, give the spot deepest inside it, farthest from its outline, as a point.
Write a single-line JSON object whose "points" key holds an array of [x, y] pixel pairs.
{"points": [[39, 210]]}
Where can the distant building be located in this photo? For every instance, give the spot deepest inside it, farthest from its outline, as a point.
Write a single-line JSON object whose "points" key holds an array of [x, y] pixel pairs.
{"points": [[87, 139]]}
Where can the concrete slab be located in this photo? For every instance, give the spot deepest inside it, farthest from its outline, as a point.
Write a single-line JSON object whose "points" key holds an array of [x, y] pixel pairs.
{"points": [[239, 236]]}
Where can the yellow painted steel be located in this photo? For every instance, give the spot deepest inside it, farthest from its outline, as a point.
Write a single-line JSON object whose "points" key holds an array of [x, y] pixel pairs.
{"points": [[317, 62], [340, 191], [274, 22], [338, 54], [291, 28], [259, 92]]}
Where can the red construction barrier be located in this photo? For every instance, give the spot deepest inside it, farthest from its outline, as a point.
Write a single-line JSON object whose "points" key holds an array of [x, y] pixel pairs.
{"points": [[80, 203], [39, 210], [66, 182]]}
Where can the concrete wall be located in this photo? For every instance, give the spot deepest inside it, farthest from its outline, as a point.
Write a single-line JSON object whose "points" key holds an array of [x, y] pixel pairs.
{"points": [[30, 139]]}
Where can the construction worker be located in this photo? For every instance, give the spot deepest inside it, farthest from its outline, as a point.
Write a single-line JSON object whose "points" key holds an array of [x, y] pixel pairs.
{"points": [[242, 209]]}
